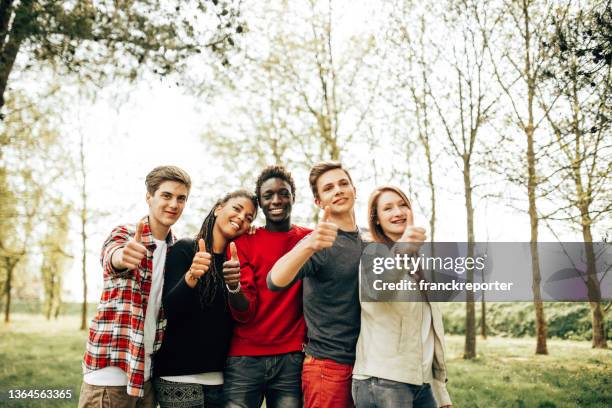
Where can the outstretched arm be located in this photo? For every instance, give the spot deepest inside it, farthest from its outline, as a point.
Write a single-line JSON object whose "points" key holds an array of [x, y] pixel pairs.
{"points": [[284, 271]]}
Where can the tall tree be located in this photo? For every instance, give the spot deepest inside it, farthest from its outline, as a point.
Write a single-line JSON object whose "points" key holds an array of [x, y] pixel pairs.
{"points": [[519, 64], [579, 73], [413, 71], [464, 111]]}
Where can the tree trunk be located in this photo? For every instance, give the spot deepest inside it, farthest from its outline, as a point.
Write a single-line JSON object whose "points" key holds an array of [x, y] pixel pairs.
{"points": [[426, 143], [49, 301], [6, 10], [11, 48], [470, 308], [594, 290], [483, 313], [432, 189], [7, 292], [83, 234], [541, 327], [584, 198]]}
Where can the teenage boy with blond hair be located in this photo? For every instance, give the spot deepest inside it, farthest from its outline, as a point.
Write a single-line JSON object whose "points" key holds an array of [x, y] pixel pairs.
{"points": [[130, 323], [328, 262]]}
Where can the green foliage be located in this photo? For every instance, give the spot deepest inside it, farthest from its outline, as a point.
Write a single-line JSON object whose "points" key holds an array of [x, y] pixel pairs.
{"points": [[31, 177], [125, 34], [566, 320], [108, 39], [585, 35]]}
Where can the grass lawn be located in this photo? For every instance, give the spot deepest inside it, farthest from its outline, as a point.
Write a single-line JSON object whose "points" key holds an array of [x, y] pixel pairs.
{"points": [[37, 354], [507, 373]]}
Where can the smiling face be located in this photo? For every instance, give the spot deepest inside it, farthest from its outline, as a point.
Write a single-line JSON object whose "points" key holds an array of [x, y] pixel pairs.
{"points": [[166, 205], [234, 217], [334, 189], [393, 214], [276, 200]]}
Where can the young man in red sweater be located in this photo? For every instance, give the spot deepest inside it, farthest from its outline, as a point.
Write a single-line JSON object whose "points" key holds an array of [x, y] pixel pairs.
{"points": [[265, 357]]}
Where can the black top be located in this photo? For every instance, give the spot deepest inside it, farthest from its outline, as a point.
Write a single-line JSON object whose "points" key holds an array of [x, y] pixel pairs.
{"points": [[197, 338]]}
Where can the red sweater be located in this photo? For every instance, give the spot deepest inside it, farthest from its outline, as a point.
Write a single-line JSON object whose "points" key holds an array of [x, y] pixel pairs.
{"points": [[273, 323]]}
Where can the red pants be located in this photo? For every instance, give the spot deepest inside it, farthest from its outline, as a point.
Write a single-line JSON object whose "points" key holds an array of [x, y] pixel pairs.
{"points": [[326, 384]]}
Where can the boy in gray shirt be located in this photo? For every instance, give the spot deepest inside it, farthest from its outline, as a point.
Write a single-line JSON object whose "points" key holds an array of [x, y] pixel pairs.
{"points": [[328, 261]]}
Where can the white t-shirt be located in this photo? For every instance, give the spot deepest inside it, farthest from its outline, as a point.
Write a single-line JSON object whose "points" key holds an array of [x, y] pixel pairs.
{"points": [[154, 303], [108, 376], [114, 376]]}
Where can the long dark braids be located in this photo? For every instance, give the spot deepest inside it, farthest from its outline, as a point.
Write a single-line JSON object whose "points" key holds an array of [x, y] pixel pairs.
{"points": [[212, 281]]}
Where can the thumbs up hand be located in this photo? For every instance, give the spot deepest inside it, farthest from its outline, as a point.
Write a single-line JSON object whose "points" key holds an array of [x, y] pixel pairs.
{"points": [[413, 238], [231, 268], [324, 234], [201, 262], [131, 255]]}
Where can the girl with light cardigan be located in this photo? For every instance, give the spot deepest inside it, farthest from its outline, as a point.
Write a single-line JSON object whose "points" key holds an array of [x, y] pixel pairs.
{"points": [[400, 350]]}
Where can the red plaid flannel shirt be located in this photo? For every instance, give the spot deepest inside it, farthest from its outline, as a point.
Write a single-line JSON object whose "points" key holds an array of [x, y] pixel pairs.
{"points": [[116, 334]]}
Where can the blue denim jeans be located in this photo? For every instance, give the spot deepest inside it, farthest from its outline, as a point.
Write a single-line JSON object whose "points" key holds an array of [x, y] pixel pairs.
{"points": [[380, 393], [250, 379], [172, 394]]}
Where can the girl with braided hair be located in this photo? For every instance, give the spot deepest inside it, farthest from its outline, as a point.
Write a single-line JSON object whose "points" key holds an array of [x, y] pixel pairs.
{"points": [[189, 365]]}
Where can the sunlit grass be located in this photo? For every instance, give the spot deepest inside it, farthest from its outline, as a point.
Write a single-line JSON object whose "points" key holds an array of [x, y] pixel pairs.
{"points": [[507, 373], [38, 354]]}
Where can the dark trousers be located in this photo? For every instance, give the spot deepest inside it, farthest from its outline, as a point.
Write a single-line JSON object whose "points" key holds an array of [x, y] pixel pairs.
{"points": [[380, 393], [250, 379]]}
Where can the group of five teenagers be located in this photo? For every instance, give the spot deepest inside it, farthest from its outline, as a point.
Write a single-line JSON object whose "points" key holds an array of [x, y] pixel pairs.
{"points": [[400, 350], [217, 307], [327, 262], [189, 365], [265, 356], [130, 322]]}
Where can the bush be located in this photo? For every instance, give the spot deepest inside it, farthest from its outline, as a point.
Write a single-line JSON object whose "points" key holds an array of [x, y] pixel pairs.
{"points": [[566, 320]]}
